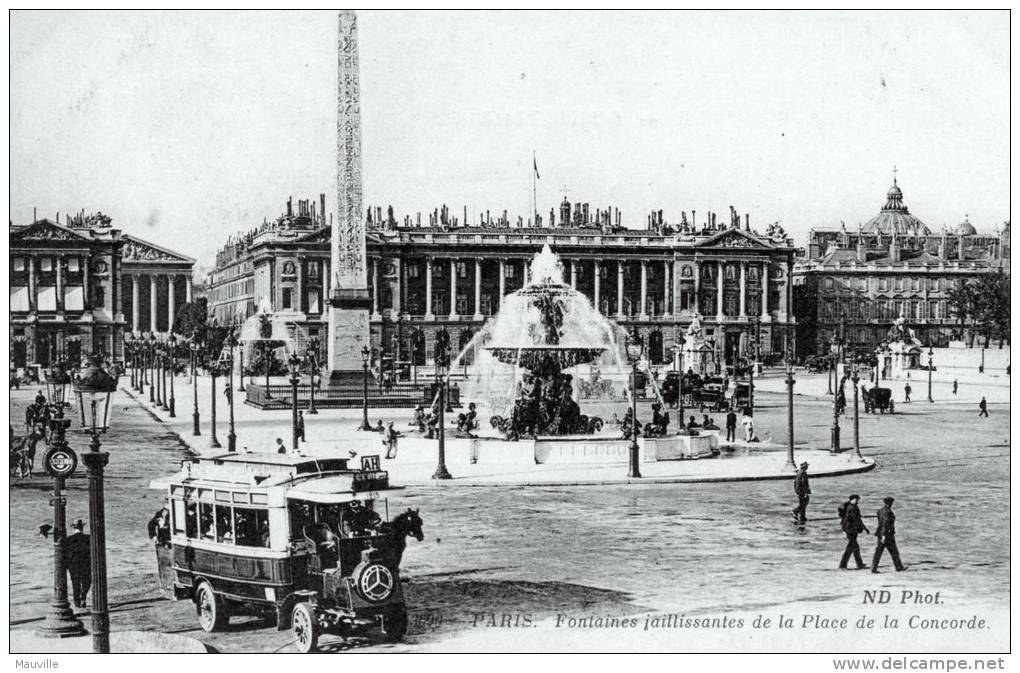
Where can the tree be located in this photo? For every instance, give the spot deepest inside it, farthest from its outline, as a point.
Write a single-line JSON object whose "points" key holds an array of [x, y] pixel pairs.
{"points": [[982, 306], [191, 317]]}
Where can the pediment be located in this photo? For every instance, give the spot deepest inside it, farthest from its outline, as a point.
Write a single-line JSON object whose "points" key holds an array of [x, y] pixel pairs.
{"points": [[137, 250], [321, 236], [45, 230], [734, 238]]}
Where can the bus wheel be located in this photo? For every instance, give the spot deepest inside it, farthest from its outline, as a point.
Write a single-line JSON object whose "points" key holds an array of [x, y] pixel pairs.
{"points": [[396, 623], [303, 626], [212, 611]]}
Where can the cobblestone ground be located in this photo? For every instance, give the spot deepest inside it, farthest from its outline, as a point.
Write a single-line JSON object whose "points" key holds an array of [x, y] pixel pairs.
{"points": [[598, 550]]}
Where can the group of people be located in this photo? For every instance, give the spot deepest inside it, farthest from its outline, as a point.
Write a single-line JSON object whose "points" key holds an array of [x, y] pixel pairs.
{"points": [[852, 523]]}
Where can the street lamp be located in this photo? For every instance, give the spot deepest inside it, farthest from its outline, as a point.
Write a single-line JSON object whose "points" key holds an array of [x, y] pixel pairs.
{"points": [[635, 348], [680, 383], [931, 355], [152, 368], [857, 433], [312, 356], [128, 352], [294, 365], [834, 447], [163, 361], [442, 359], [366, 355], [789, 411], [194, 348], [240, 371], [60, 462], [94, 390], [214, 370], [173, 360], [231, 435]]}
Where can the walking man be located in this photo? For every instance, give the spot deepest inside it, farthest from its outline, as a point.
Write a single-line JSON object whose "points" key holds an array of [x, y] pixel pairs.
{"points": [[731, 426], [906, 393], [886, 534], [301, 425], [803, 490], [78, 561], [852, 525], [955, 385], [390, 440], [983, 405]]}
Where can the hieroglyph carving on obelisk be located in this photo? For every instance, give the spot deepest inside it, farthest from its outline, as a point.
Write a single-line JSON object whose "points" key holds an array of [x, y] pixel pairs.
{"points": [[348, 324]]}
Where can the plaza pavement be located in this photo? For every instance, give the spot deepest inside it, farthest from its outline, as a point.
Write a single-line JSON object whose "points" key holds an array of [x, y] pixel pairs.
{"points": [[994, 387], [335, 432]]}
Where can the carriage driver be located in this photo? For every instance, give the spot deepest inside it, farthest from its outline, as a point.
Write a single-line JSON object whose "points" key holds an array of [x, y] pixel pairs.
{"points": [[359, 520]]}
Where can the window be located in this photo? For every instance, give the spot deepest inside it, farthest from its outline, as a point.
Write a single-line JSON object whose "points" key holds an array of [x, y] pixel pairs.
{"points": [[935, 284], [179, 515], [224, 530], [511, 271], [413, 270], [191, 520], [99, 296], [251, 527], [206, 521], [899, 283], [46, 299], [313, 302], [915, 283], [287, 297], [19, 263], [46, 264], [461, 270], [72, 265], [313, 269], [883, 284], [19, 299]]}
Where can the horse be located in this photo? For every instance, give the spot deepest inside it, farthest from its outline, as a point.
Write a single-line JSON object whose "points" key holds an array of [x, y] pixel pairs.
{"points": [[22, 456], [403, 526]]}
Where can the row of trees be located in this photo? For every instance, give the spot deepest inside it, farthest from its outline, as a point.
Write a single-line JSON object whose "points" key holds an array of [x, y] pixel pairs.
{"points": [[982, 306]]}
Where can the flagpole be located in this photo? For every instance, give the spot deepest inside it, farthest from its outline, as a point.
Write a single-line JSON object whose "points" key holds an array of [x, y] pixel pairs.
{"points": [[534, 189]]}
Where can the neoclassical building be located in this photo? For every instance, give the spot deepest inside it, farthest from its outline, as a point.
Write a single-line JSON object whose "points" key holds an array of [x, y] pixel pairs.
{"points": [[75, 288], [853, 284], [446, 276]]}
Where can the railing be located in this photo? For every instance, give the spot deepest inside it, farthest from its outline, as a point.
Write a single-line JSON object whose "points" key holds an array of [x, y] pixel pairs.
{"points": [[346, 395]]}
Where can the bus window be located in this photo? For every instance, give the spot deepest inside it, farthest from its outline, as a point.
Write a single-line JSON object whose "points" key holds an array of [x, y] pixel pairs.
{"points": [[224, 531], [250, 526], [205, 520], [191, 520], [300, 516], [179, 515]]}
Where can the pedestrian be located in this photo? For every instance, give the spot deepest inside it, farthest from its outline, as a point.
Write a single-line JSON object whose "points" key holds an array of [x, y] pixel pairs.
{"points": [[852, 524], [280, 446], [78, 561], [301, 425], [159, 528], [731, 425], [906, 393], [748, 423], [956, 384], [983, 405], [803, 490], [390, 440], [886, 534]]}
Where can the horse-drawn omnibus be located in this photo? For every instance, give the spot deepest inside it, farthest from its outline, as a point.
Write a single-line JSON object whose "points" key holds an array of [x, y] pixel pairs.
{"points": [[304, 540]]}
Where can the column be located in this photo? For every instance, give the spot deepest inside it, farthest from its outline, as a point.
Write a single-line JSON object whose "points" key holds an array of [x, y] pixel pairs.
{"points": [[598, 287], [59, 261], [697, 287], [153, 279], [135, 319], [453, 288], [187, 288], [619, 289], [478, 289], [765, 291], [502, 282], [375, 288], [784, 299], [299, 289], [743, 289], [86, 272], [428, 289], [171, 312], [719, 293], [573, 274], [32, 304], [667, 298], [643, 311]]}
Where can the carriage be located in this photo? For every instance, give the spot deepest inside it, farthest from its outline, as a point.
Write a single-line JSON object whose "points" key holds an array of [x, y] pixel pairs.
{"points": [[698, 392], [880, 399], [741, 396], [304, 541]]}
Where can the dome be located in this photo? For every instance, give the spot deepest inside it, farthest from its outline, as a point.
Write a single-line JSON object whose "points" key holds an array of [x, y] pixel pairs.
{"points": [[895, 218], [965, 228]]}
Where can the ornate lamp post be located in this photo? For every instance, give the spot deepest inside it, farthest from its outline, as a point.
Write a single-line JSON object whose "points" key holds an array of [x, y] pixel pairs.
{"points": [[172, 355], [60, 462], [834, 447], [194, 347], [231, 435], [160, 383], [312, 356], [94, 390], [789, 411], [366, 354], [680, 383], [832, 365], [240, 371], [442, 359], [857, 415], [294, 367], [163, 361], [128, 359], [152, 368], [931, 355], [635, 348], [214, 371]]}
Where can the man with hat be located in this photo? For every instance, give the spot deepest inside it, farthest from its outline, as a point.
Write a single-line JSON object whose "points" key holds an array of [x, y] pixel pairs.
{"points": [[78, 561], [852, 524], [803, 490], [886, 534]]}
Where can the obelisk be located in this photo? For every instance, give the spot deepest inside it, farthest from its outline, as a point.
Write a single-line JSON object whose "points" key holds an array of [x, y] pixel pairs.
{"points": [[349, 301]]}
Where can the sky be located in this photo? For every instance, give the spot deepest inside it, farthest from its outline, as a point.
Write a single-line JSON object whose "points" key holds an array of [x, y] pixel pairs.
{"points": [[188, 126]]}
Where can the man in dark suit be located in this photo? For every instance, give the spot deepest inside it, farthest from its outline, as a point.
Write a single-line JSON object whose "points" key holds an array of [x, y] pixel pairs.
{"points": [[78, 561], [852, 525], [731, 426], [803, 490], [886, 534]]}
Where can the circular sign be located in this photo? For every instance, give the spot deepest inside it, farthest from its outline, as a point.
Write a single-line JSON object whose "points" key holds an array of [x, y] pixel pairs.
{"points": [[60, 461], [375, 582]]}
